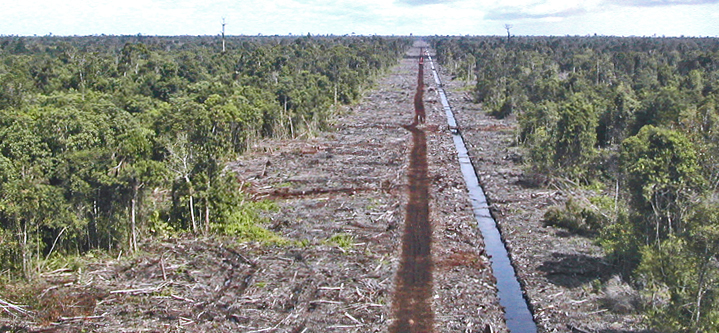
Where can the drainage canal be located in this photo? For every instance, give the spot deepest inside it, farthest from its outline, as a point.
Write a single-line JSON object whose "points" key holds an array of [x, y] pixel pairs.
{"points": [[517, 315], [413, 296]]}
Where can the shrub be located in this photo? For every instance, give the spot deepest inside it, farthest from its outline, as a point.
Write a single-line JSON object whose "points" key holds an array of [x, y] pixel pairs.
{"points": [[577, 217], [245, 224]]}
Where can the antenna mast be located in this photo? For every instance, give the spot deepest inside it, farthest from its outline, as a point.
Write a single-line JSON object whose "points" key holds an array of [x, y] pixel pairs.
{"points": [[223, 35]]}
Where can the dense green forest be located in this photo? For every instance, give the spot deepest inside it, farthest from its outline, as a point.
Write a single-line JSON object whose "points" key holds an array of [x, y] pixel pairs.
{"points": [[636, 122], [105, 140]]}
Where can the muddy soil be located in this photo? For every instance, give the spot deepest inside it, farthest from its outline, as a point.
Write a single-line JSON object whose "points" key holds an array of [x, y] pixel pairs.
{"points": [[342, 198], [571, 288]]}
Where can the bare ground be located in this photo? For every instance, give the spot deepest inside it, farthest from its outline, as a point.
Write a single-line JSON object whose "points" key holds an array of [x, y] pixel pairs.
{"points": [[571, 288], [341, 197]]}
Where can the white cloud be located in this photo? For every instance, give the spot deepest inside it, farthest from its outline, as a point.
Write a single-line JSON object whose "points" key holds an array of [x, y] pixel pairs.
{"points": [[421, 17], [534, 9]]}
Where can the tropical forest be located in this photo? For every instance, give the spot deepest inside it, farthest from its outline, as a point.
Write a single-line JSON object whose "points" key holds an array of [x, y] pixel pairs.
{"points": [[264, 183], [635, 120]]}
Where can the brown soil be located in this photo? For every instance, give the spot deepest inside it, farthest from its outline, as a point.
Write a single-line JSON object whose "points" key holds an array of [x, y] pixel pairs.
{"points": [[413, 290], [351, 182], [571, 288]]}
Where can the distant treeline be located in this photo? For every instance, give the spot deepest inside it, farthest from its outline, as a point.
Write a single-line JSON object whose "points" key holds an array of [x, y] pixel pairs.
{"points": [[637, 121], [104, 140]]}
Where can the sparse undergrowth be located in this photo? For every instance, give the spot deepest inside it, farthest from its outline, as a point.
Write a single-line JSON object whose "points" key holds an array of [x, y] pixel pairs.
{"points": [[245, 223]]}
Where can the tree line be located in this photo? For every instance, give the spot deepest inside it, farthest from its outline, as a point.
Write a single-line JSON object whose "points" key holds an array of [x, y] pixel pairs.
{"points": [[637, 121], [105, 140]]}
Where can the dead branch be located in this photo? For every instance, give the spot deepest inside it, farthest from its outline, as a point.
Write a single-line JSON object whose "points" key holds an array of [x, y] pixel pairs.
{"points": [[182, 298], [162, 265], [324, 301], [354, 319], [7, 307], [344, 326], [57, 272], [66, 319], [273, 327], [331, 288], [140, 290]]}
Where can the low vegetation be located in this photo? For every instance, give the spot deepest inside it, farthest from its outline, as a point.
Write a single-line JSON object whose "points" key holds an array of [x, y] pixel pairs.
{"points": [[109, 140], [636, 118]]}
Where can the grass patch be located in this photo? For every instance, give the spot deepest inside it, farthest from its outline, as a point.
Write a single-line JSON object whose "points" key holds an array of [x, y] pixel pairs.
{"points": [[342, 240], [580, 217], [46, 303], [245, 223]]}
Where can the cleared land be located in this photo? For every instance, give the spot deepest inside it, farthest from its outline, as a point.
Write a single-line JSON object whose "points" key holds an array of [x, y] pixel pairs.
{"points": [[342, 198]]}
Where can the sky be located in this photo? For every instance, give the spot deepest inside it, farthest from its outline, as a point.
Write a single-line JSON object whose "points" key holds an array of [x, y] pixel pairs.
{"points": [[698, 18]]}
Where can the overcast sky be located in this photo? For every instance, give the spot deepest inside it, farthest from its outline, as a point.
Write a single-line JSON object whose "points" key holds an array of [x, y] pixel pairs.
{"points": [[367, 17]]}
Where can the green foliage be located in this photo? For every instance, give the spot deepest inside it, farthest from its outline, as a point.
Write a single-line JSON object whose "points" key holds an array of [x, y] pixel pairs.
{"points": [[106, 140], [575, 135], [661, 172], [9, 249], [668, 264], [343, 240], [537, 125], [570, 217], [660, 109], [245, 223], [638, 117], [158, 227], [614, 122], [621, 241], [560, 137], [682, 276], [579, 216]]}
